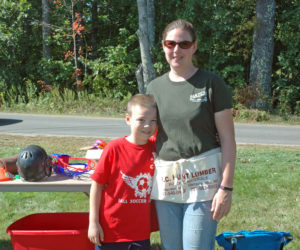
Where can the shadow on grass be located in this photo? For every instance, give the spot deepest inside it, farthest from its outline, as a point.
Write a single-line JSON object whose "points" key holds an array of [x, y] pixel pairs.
{"points": [[5, 245]]}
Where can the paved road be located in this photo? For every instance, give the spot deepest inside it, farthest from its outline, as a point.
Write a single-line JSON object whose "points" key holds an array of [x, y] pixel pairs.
{"points": [[22, 124]]}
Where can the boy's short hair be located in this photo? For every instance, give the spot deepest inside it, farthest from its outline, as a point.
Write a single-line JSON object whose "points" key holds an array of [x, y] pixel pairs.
{"points": [[143, 100]]}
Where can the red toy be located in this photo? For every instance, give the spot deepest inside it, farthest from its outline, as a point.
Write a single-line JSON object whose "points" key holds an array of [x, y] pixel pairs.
{"points": [[100, 144], [5, 175]]}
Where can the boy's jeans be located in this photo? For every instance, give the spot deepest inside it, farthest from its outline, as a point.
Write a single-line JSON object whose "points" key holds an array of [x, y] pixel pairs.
{"points": [[132, 245]]}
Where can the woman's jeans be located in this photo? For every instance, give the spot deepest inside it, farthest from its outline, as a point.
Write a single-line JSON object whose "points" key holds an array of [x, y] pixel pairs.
{"points": [[186, 225]]}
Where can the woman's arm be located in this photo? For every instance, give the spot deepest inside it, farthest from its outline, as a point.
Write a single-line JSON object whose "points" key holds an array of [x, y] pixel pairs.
{"points": [[95, 229], [223, 198]]}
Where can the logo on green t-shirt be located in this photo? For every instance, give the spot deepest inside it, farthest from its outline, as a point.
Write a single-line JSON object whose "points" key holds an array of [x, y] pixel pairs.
{"points": [[199, 97]]}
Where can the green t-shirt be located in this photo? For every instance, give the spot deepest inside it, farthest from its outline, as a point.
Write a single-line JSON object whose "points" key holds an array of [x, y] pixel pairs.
{"points": [[186, 125]]}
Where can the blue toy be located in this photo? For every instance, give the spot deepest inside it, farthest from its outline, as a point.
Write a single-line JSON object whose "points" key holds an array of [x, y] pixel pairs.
{"points": [[62, 166], [254, 240]]}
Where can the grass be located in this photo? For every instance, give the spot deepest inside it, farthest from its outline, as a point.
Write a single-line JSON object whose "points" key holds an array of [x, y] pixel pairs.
{"points": [[266, 195]]}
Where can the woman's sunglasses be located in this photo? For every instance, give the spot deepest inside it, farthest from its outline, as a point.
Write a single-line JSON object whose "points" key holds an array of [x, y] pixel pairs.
{"points": [[183, 45]]}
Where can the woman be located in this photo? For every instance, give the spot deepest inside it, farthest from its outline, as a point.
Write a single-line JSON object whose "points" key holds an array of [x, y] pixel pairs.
{"points": [[193, 180]]}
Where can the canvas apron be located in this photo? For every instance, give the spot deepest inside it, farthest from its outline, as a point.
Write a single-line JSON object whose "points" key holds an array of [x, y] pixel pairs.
{"points": [[188, 180]]}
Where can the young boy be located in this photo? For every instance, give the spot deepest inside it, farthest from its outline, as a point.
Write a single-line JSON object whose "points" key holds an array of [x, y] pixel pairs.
{"points": [[121, 186]]}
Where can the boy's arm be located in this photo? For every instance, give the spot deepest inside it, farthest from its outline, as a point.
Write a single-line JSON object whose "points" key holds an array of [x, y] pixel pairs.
{"points": [[95, 229]]}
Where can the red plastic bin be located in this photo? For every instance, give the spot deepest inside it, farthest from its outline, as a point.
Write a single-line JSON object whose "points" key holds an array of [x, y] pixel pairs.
{"points": [[51, 231]]}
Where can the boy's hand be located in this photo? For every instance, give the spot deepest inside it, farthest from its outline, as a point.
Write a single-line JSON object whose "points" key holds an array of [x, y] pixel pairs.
{"points": [[95, 230]]}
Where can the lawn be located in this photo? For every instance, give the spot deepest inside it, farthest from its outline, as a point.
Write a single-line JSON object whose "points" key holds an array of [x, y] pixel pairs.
{"points": [[266, 189]]}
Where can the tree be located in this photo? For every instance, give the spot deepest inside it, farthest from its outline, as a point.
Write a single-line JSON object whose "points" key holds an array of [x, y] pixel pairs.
{"points": [[95, 26], [70, 11], [46, 29], [262, 53], [46, 32], [20, 46], [77, 28], [286, 65], [145, 72], [108, 51]]}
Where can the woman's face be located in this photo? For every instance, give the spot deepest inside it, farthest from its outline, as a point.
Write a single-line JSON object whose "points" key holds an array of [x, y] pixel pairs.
{"points": [[177, 57]]}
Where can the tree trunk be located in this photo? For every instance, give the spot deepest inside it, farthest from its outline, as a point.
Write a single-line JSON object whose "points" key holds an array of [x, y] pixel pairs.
{"points": [[80, 41], [262, 54], [94, 36], [150, 19], [46, 29], [80, 44], [46, 33], [145, 21], [75, 47]]}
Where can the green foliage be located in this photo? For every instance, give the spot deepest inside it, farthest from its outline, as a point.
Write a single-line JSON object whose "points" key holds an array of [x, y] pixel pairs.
{"points": [[66, 101], [113, 72], [224, 39], [224, 34], [244, 95], [243, 114], [20, 42], [297, 108], [287, 58], [234, 75], [58, 73], [288, 99]]}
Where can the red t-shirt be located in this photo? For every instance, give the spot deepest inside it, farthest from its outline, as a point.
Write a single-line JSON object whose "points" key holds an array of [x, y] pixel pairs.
{"points": [[127, 169]]}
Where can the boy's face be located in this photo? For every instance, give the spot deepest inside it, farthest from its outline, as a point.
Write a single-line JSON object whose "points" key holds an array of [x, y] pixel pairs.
{"points": [[142, 122]]}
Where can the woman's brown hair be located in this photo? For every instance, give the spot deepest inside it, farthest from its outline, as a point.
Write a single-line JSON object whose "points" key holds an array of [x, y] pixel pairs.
{"points": [[180, 24]]}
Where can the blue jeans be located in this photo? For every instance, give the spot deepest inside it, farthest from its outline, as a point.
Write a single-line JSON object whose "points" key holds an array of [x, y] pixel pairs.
{"points": [[186, 226]]}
